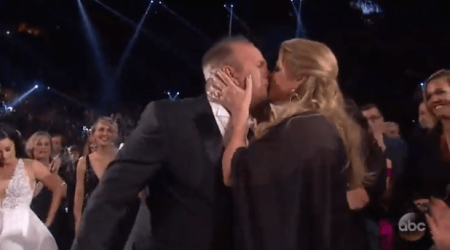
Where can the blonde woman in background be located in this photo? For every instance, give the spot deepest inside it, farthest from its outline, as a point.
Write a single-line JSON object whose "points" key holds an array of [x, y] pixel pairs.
{"points": [[39, 148], [90, 170], [290, 184], [99, 152]]}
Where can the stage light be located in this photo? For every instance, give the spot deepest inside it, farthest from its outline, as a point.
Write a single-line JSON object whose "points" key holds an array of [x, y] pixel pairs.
{"points": [[36, 86], [231, 6], [159, 2], [7, 32], [173, 97], [48, 87]]}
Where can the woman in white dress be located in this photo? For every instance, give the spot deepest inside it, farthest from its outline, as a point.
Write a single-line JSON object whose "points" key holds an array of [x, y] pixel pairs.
{"points": [[20, 228]]}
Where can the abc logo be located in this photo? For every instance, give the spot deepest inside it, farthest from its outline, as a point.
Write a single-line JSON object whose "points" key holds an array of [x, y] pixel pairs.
{"points": [[412, 227]]}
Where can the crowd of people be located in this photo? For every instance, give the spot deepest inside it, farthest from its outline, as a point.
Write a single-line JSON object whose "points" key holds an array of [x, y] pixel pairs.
{"points": [[273, 161]]}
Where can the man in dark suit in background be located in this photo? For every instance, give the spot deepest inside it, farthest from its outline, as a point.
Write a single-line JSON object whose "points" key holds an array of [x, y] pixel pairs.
{"points": [[176, 152], [395, 149]]}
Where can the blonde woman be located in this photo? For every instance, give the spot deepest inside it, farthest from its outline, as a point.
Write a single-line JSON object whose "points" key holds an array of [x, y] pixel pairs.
{"points": [[91, 167], [290, 184], [39, 148], [428, 162]]}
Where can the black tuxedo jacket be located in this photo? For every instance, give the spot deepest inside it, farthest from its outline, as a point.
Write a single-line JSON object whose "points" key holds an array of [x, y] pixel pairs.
{"points": [[176, 152]]}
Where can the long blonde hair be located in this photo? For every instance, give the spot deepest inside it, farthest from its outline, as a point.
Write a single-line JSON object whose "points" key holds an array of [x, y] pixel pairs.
{"points": [[320, 93]]}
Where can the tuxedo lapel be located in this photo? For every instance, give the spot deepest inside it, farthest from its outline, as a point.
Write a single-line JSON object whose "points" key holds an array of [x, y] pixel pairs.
{"points": [[210, 136]]}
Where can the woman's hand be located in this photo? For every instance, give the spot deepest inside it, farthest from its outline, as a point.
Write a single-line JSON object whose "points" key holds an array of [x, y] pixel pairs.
{"points": [[225, 91], [439, 223], [357, 198], [48, 223], [55, 164]]}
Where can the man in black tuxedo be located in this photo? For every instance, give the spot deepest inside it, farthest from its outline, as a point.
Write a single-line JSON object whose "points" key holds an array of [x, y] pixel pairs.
{"points": [[176, 152]]}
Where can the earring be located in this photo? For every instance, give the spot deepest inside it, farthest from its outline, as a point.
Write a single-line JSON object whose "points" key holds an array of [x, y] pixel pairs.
{"points": [[294, 96]]}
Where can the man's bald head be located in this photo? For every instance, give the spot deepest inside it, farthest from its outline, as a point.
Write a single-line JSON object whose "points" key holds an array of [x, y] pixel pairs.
{"points": [[221, 54]]}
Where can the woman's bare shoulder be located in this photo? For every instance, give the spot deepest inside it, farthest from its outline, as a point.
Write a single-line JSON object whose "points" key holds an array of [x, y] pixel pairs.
{"points": [[31, 164]]}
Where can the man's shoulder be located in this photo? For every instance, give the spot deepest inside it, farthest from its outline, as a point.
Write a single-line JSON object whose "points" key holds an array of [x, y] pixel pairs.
{"points": [[393, 141], [396, 145], [177, 104]]}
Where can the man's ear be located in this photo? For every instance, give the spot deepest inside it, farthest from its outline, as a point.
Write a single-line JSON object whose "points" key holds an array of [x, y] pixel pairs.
{"points": [[228, 70]]}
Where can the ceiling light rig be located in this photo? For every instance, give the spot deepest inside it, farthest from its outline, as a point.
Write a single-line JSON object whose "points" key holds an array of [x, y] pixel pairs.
{"points": [[172, 96]]}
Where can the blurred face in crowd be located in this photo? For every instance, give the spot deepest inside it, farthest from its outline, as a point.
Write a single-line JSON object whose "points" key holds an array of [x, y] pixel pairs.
{"points": [[392, 130], [57, 143], [74, 155], [376, 120], [104, 135], [438, 97], [425, 119], [42, 149], [7, 152]]}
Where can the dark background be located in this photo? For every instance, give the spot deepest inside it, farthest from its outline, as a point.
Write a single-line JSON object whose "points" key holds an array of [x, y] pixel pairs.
{"points": [[383, 57]]}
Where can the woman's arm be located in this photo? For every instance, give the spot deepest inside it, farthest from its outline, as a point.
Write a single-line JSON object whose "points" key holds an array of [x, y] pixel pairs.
{"points": [[37, 188], [237, 140], [79, 192], [54, 183]]}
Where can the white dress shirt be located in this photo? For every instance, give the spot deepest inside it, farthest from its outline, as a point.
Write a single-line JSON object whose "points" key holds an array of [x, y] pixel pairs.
{"points": [[223, 117]]}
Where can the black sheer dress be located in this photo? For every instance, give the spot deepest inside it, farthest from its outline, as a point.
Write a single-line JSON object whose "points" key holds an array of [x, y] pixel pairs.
{"points": [[60, 227], [290, 190], [90, 181]]}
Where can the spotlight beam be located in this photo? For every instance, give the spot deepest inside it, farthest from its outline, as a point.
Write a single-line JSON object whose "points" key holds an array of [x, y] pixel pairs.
{"points": [[231, 12], [160, 42], [189, 25], [107, 86], [297, 11], [230, 24], [174, 97], [116, 13], [238, 19], [295, 8], [19, 99], [82, 104], [131, 42], [298, 33]]}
